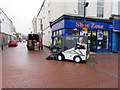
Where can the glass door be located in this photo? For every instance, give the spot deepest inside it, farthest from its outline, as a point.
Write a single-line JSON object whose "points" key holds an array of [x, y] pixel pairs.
{"points": [[93, 40], [99, 40], [102, 40], [105, 40]]}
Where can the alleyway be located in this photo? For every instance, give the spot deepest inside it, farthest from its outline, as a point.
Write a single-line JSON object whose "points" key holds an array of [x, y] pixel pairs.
{"points": [[29, 69]]}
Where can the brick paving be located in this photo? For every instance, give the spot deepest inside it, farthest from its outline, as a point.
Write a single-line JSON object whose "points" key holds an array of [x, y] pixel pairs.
{"points": [[0, 69], [29, 69], [106, 61]]}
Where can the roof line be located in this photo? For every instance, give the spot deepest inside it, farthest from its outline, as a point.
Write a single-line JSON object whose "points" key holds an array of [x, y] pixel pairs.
{"points": [[6, 15], [41, 8]]}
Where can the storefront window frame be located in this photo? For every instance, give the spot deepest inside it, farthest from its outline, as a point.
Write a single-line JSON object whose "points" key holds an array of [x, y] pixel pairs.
{"points": [[103, 43], [76, 30]]}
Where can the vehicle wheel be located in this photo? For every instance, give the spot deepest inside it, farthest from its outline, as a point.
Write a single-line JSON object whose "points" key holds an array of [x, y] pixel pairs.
{"points": [[77, 59], [60, 57]]}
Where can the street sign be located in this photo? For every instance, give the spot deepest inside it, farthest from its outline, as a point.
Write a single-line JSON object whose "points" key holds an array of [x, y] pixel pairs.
{"points": [[85, 29]]}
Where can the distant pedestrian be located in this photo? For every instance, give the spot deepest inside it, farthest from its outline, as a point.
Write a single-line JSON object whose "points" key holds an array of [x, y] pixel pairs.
{"points": [[2, 46]]}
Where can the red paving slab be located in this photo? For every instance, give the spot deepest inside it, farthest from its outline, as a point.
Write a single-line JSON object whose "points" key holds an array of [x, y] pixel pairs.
{"points": [[29, 69], [106, 61], [0, 69]]}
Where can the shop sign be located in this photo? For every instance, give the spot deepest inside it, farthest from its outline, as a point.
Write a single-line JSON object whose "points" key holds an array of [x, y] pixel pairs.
{"points": [[85, 29], [110, 26], [57, 26], [89, 25]]}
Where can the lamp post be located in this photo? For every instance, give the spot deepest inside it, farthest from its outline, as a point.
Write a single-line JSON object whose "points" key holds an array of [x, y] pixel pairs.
{"points": [[85, 28], [85, 5]]}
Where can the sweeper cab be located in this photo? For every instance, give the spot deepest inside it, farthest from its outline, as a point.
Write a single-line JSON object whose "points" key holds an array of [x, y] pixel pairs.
{"points": [[68, 48]]}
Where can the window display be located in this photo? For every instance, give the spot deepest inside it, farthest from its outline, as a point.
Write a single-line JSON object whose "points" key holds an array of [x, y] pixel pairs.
{"points": [[102, 37], [75, 32]]}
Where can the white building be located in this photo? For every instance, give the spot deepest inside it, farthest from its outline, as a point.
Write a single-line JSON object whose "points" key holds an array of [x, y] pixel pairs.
{"points": [[119, 8], [116, 7], [53, 9], [7, 29], [34, 25]]}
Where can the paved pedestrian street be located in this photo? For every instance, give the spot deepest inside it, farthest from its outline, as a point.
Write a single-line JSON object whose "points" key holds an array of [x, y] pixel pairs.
{"points": [[29, 69]]}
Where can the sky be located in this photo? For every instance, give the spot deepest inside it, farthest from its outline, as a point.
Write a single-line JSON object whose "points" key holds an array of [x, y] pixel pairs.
{"points": [[21, 12]]}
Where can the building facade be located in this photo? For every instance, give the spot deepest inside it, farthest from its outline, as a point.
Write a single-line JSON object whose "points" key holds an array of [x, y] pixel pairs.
{"points": [[7, 29], [52, 9], [116, 33], [119, 8], [34, 25], [99, 31]]}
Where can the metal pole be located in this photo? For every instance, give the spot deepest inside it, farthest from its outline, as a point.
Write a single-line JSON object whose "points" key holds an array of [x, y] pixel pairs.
{"points": [[85, 5], [84, 13]]}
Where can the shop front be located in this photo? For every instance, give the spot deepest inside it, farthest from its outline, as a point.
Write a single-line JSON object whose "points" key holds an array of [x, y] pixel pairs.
{"points": [[99, 40], [98, 31], [116, 35], [119, 41]]}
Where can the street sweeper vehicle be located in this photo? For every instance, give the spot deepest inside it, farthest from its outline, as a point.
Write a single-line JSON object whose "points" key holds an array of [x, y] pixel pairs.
{"points": [[69, 47]]}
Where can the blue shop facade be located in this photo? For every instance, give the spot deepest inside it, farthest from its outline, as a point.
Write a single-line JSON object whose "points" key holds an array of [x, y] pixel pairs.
{"points": [[116, 35], [99, 31]]}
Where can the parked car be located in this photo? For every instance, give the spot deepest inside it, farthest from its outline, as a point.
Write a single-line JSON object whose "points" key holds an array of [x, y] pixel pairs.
{"points": [[12, 43]]}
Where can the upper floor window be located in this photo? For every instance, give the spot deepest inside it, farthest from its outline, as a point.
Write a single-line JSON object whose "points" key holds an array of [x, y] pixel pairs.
{"points": [[119, 8], [100, 8], [81, 7]]}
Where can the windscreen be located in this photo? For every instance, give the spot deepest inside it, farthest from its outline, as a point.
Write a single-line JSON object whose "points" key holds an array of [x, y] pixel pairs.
{"points": [[12, 41]]}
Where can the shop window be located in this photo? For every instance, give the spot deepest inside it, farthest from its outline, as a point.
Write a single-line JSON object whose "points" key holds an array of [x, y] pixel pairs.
{"points": [[60, 32], [83, 33], [102, 37], [93, 40], [100, 8], [75, 32], [81, 7], [105, 39], [53, 33], [55, 41], [57, 32]]}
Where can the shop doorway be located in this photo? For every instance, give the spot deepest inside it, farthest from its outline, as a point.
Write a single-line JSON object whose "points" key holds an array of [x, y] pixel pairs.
{"points": [[92, 43], [98, 40], [102, 38]]}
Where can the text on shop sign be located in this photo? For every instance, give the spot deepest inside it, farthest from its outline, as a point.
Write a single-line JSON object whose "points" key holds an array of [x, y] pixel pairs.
{"points": [[91, 25], [57, 26]]}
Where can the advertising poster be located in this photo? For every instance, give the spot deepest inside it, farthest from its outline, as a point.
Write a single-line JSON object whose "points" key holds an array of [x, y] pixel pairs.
{"points": [[100, 35]]}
